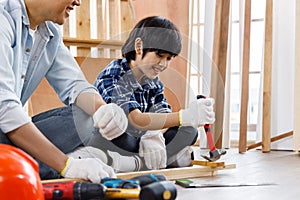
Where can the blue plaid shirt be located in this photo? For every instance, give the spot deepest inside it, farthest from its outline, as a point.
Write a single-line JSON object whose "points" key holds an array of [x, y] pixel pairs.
{"points": [[116, 84]]}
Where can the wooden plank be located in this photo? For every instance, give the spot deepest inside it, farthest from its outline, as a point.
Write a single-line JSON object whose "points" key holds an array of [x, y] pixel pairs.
{"points": [[267, 89], [174, 173], [207, 163], [83, 26], [115, 18], [100, 43], [171, 174], [218, 78], [273, 139], [101, 24], [128, 19], [245, 78], [297, 81], [178, 173]]}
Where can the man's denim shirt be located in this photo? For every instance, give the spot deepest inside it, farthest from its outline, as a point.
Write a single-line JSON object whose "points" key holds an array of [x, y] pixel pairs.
{"points": [[23, 65]]}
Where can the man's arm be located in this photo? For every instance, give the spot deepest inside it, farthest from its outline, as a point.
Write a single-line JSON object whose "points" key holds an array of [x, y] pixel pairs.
{"points": [[31, 140], [153, 121]]}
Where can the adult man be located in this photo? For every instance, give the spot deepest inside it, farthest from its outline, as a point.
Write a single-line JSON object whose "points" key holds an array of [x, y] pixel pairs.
{"points": [[31, 48]]}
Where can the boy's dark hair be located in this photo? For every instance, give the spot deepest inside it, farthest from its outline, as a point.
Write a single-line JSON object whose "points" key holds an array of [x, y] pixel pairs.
{"points": [[157, 33]]}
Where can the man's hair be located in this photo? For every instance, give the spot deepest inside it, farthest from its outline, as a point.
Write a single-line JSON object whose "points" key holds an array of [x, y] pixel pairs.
{"points": [[157, 33]]}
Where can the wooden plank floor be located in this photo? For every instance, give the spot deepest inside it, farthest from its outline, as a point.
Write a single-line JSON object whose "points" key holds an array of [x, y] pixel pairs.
{"points": [[279, 167]]}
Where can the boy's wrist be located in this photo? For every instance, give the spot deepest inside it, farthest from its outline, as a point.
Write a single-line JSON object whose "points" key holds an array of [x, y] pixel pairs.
{"points": [[180, 117]]}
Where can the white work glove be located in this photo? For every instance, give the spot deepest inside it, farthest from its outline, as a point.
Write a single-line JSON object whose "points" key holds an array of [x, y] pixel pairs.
{"points": [[111, 121], [92, 169], [199, 113], [153, 149]]}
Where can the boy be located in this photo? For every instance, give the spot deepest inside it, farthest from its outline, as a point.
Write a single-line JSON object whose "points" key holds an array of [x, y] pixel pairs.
{"points": [[31, 48], [157, 134]]}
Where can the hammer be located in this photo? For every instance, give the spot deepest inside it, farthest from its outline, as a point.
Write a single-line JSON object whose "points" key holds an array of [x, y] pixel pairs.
{"points": [[163, 190]]}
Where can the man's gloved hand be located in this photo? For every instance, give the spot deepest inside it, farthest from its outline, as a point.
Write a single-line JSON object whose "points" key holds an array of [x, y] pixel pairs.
{"points": [[199, 113], [92, 169], [153, 149], [111, 121]]}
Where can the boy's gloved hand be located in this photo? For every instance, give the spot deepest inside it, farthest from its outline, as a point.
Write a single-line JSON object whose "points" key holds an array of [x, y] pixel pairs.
{"points": [[199, 113], [111, 121], [92, 169], [153, 149]]}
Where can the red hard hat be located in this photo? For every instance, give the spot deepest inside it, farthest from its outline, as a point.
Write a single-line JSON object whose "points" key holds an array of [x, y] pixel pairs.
{"points": [[19, 175]]}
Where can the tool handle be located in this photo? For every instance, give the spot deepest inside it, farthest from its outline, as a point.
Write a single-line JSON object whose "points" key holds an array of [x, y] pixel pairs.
{"points": [[149, 178], [210, 139], [206, 126]]}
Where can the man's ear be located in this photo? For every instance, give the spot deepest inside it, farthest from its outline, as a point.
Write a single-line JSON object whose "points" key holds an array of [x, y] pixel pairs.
{"points": [[138, 46]]}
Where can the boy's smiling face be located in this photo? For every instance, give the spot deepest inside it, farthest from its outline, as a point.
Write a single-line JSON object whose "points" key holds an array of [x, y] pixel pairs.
{"points": [[149, 65], [152, 64]]}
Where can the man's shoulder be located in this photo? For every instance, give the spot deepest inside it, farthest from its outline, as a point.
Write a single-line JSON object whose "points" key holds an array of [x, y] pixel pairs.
{"points": [[10, 5]]}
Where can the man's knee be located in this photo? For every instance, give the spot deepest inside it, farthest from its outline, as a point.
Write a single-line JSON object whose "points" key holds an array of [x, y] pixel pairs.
{"points": [[4, 139]]}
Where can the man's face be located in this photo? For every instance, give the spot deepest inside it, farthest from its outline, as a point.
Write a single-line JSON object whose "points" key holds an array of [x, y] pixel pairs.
{"points": [[59, 10]]}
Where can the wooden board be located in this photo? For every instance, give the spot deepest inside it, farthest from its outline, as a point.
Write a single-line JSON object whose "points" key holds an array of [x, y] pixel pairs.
{"points": [[245, 78], [218, 76], [171, 174], [266, 122], [207, 163]]}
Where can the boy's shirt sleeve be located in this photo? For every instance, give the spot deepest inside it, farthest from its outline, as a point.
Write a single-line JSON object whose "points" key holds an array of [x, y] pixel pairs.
{"points": [[112, 86]]}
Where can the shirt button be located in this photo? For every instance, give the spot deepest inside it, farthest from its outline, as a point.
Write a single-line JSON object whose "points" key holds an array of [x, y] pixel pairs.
{"points": [[27, 50], [23, 76]]}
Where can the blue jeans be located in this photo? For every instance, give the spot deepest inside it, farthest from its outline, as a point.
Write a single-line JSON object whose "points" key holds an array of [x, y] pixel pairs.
{"points": [[69, 127], [59, 127]]}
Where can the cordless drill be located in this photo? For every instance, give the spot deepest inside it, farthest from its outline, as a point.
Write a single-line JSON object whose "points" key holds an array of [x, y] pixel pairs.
{"points": [[145, 187], [73, 190]]}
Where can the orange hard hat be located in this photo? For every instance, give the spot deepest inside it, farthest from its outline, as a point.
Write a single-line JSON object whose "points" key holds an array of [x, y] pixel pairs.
{"points": [[19, 175]]}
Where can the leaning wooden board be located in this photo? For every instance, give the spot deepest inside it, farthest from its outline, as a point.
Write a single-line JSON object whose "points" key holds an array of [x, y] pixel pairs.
{"points": [[171, 173]]}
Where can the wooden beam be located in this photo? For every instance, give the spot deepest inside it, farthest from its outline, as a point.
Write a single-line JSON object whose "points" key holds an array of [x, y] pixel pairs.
{"points": [[273, 139], [267, 89], [219, 57], [208, 163], [128, 19], [178, 173], [83, 30], [101, 43], [297, 81], [245, 78], [170, 174]]}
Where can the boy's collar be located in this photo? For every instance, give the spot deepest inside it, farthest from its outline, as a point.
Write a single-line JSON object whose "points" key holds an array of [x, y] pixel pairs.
{"points": [[145, 81]]}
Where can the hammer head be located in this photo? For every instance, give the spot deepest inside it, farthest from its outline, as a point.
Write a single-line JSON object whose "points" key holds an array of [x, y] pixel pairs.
{"points": [[163, 190]]}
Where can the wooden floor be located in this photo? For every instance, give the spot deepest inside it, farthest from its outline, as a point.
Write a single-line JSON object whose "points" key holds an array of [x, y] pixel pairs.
{"points": [[279, 167]]}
